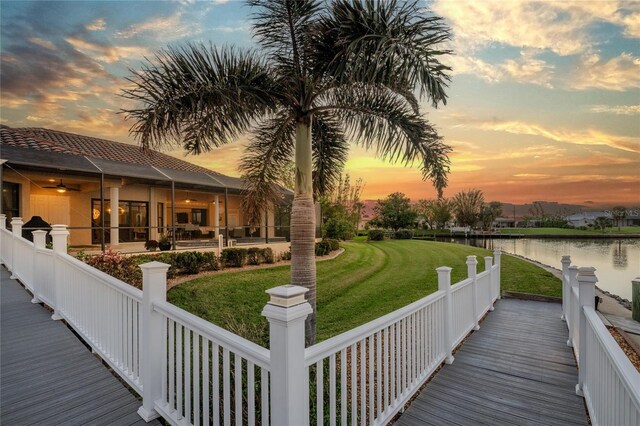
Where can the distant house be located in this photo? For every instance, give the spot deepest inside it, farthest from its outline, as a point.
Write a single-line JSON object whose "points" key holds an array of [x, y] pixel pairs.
{"points": [[586, 218], [69, 179]]}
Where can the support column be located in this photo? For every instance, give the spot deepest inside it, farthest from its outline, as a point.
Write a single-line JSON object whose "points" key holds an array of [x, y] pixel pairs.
{"points": [[154, 289], [216, 215], [226, 214], [286, 313], [3, 225], [16, 229], [566, 262], [488, 264], [497, 256], [39, 243], [444, 284], [587, 290], [59, 235], [573, 283], [472, 264], [114, 195]]}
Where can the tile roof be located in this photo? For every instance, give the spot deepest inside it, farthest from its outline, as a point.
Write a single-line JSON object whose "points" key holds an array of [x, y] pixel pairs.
{"points": [[70, 143]]}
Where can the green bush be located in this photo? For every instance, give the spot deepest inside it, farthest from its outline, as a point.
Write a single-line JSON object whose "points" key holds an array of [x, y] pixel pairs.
{"points": [[254, 256], [403, 234], [363, 232], [189, 262], [323, 248], [118, 266], [339, 229], [375, 235], [286, 255], [268, 256], [234, 257], [333, 244]]}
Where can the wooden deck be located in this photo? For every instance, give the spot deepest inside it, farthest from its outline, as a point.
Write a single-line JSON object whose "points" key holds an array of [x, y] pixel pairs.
{"points": [[516, 370], [48, 376]]}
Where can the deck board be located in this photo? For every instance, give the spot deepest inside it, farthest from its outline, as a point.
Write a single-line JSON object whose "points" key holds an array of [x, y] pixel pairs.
{"points": [[516, 370], [48, 376]]}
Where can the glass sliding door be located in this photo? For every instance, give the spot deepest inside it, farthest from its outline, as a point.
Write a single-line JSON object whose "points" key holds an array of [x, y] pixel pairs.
{"points": [[133, 221]]}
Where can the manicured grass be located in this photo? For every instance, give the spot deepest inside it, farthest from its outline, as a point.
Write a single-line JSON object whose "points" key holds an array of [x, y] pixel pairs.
{"points": [[368, 280], [566, 231]]}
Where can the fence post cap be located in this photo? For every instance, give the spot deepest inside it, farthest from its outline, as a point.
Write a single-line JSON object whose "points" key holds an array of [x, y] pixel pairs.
{"points": [[3, 216], [586, 275], [566, 260], [443, 269], [573, 268], [472, 260], [154, 265], [636, 280], [497, 252], [287, 295], [16, 221], [39, 232], [59, 230]]}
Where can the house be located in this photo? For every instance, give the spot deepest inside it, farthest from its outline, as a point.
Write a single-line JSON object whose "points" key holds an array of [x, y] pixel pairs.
{"points": [[586, 218], [78, 180]]}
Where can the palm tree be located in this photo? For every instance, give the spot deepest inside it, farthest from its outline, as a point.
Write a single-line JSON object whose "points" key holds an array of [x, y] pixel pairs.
{"points": [[326, 73], [467, 206]]}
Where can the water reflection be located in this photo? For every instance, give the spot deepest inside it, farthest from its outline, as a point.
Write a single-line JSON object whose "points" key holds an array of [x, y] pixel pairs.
{"points": [[620, 260], [617, 261]]}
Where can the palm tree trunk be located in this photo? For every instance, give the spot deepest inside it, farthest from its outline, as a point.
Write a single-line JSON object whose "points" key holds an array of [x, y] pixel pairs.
{"points": [[303, 225]]}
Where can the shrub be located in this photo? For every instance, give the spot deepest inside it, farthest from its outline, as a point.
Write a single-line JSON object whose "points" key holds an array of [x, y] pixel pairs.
{"points": [[323, 248], [234, 257], [254, 256], [190, 262], [375, 235], [268, 256], [403, 234], [118, 266], [340, 229], [333, 244], [286, 255], [210, 261]]}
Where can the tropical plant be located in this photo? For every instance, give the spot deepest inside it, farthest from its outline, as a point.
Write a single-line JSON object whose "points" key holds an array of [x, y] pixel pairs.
{"points": [[435, 213], [342, 209], [467, 206], [490, 212], [151, 245], [619, 213], [326, 72], [395, 212], [602, 223]]}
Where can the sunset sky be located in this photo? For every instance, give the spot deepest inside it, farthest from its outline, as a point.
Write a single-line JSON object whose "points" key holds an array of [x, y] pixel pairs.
{"points": [[544, 102]]}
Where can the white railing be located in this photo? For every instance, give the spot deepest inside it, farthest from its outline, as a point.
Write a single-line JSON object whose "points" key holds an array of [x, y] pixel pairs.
{"points": [[192, 372], [367, 374], [607, 379], [211, 375]]}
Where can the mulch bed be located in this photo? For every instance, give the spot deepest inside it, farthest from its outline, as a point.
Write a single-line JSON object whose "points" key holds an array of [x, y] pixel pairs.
{"points": [[633, 356]]}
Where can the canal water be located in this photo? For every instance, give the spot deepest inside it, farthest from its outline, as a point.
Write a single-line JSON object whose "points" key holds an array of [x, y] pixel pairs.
{"points": [[617, 261]]}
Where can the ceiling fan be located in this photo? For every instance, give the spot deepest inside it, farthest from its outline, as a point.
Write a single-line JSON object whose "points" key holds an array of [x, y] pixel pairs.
{"points": [[61, 187]]}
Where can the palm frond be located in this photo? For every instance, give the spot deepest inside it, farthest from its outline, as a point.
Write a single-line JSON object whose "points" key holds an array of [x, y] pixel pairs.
{"points": [[330, 151], [378, 118], [200, 96], [383, 42], [269, 152]]}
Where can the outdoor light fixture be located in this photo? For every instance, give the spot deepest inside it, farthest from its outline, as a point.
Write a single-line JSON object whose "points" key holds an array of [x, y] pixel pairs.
{"points": [[61, 188]]}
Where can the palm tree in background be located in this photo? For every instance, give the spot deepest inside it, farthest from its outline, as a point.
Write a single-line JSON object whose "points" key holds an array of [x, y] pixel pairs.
{"points": [[325, 73]]}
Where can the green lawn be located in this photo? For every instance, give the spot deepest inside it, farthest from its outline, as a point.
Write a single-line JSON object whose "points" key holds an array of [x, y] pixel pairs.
{"points": [[565, 231], [368, 280]]}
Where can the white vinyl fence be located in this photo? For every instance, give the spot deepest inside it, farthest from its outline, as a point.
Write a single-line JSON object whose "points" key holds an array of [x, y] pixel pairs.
{"points": [[607, 379], [192, 372]]}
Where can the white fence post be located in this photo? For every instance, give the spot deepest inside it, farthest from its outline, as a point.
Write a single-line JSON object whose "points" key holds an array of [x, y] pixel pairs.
{"points": [[497, 255], [573, 283], [39, 242], [59, 236], [16, 229], [220, 244], [566, 261], [444, 284], [286, 313], [154, 289], [587, 290], [488, 264], [472, 264], [3, 225]]}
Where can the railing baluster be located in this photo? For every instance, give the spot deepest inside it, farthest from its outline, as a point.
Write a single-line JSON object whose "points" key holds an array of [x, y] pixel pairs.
{"points": [[354, 389], [172, 364], [196, 378], [332, 389], [363, 385], [319, 394], [226, 387], [371, 385], [237, 394], [251, 396], [379, 373], [264, 386], [187, 374], [179, 378], [343, 387], [215, 379], [205, 381]]}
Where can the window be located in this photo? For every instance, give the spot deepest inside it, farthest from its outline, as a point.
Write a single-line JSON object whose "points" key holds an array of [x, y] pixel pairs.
{"points": [[199, 217], [10, 200], [133, 220]]}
